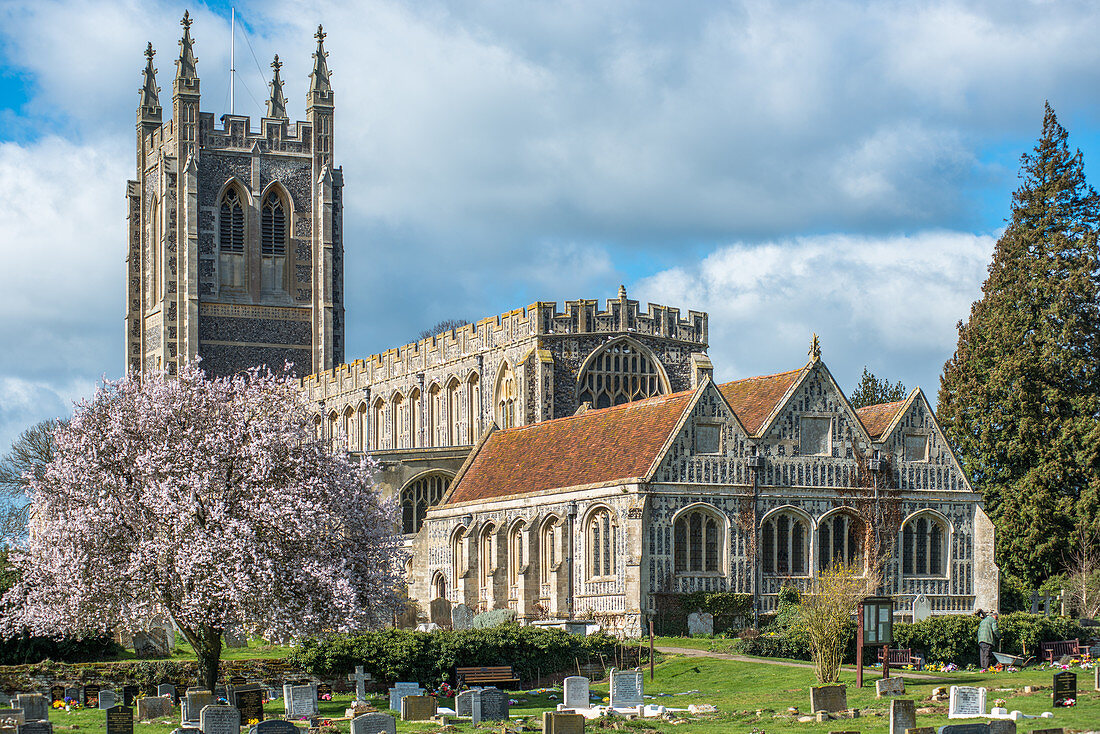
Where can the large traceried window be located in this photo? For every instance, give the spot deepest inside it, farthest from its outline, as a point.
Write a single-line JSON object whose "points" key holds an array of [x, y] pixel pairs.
{"points": [[435, 415], [619, 373], [454, 413], [507, 398], [231, 261], [416, 418], [378, 412], [274, 225], [840, 541], [697, 538], [397, 420], [785, 545], [473, 407], [516, 555], [418, 496], [923, 543], [601, 533]]}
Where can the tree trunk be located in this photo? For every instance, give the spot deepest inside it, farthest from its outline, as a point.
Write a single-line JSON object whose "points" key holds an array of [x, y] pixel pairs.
{"points": [[207, 643]]}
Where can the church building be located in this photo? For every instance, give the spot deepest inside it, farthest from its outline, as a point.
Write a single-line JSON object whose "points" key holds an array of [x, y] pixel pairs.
{"points": [[563, 462]]}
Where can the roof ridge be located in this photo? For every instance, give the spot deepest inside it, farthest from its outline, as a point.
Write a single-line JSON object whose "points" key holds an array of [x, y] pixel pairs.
{"points": [[883, 405], [641, 403], [761, 377]]}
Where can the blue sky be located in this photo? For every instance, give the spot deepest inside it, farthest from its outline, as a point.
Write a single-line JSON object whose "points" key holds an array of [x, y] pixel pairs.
{"points": [[789, 167]]}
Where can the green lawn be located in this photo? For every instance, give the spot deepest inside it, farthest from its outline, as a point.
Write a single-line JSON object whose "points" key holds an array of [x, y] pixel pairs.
{"points": [[255, 649], [748, 695]]}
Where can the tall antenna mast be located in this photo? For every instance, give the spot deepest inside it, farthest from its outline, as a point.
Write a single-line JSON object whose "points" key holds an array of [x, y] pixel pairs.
{"points": [[232, 61]]}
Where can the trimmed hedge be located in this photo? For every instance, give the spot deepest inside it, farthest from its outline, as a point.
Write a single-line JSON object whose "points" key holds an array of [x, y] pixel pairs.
{"points": [[431, 657], [24, 650]]}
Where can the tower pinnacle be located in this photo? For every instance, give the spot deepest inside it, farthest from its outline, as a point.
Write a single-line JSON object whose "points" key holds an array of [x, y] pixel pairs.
{"points": [[320, 90], [276, 105], [149, 89], [185, 65]]}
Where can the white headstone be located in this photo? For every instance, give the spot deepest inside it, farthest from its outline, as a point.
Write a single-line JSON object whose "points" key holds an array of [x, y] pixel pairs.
{"points": [[922, 608], [299, 701], [700, 623], [626, 689], [576, 692], [400, 690], [220, 720], [374, 723], [967, 702]]}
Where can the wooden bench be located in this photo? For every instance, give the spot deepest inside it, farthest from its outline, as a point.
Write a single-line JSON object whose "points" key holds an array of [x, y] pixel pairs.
{"points": [[492, 675], [902, 656], [1052, 652]]}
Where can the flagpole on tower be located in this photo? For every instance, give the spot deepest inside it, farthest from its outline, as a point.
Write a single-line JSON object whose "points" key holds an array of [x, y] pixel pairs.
{"points": [[232, 61]]}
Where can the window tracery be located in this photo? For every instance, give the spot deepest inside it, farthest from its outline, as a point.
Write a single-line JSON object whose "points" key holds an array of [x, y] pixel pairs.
{"points": [[231, 238], [698, 539], [619, 373], [784, 545], [273, 241], [417, 497], [840, 541], [516, 556], [507, 398], [923, 542], [601, 535]]}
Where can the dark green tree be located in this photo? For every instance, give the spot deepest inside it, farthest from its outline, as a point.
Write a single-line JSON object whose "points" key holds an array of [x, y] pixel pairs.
{"points": [[1020, 398], [872, 391]]}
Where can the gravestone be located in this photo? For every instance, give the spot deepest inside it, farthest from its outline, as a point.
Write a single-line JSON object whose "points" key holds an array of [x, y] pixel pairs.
{"points": [[1065, 687], [57, 693], [374, 723], [154, 707], [91, 691], [462, 617], [700, 623], [1096, 683], [187, 730], [249, 700], [922, 608], [1002, 726], [626, 689], [12, 717], [36, 707], [233, 637], [968, 728], [1059, 730], [828, 698], [151, 644], [193, 703], [920, 730], [130, 695], [35, 727], [1035, 602], [274, 726], [220, 720], [559, 723], [167, 689], [494, 704], [418, 708], [107, 699], [889, 687], [903, 715], [475, 708], [299, 701], [75, 695], [360, 678], [439, 612], [324, 689], [576, 693], [966, 702], [462, 701], [400, 690], [120, 720]]}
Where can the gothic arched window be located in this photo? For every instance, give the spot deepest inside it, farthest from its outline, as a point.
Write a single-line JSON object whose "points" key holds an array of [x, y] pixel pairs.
{"points": [[418, 496], [507, 398], [439, 586], [454, 413], [416, 419], [516, 556], [923, 542], [548, 548], [473, 407], [231, 238], [348, 428], [698, 538], [435, 415], [458, 557], [377, 416], [619, 373], [840, 541], [273, 240], [362, 429], [154, 237], [784, 545], [601, 535], [486, 555], [397, 421]]}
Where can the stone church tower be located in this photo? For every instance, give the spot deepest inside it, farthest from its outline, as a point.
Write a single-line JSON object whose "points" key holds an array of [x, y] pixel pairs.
{"points": [[235, 238]]}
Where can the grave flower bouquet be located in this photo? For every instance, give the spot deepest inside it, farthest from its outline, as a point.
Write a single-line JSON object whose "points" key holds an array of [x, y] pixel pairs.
{"points": [[999, 703], [445, 690]]}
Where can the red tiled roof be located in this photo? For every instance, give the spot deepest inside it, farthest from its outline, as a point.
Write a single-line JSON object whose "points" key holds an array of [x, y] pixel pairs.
{"points": [[597, 446], [754, 398], [877, 418]]}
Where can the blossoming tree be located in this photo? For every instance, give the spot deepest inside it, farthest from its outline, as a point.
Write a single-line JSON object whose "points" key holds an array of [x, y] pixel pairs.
{"points": [[211, 501]]}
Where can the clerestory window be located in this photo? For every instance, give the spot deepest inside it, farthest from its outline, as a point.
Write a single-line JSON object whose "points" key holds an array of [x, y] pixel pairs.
{"points": [[273, 242], [619, 373], [231, 239]]}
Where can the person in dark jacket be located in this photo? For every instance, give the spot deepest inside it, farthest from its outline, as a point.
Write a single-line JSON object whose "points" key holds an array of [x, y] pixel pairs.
{"points": [[988, 634]]}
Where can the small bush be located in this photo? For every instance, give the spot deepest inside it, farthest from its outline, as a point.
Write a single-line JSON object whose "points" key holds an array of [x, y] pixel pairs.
{"points": [[24, 649]]}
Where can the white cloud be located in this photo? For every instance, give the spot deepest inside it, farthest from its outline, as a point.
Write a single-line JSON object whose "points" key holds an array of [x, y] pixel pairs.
{"points": [[890, 303]]}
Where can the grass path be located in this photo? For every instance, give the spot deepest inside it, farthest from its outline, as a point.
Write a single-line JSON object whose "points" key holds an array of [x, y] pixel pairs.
{"points": [[868, 673]]}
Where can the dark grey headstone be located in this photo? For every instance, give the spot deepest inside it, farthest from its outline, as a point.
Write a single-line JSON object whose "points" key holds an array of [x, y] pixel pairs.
{"points": [[91, 691], [374, 723], [972, 727], [1002, 726], [903, 715], [75, 695], [626, 689], [107, 699], [130, 695], [462, 617], [57, 693], [167, 689], [494, 704], [36, 707], [439, 610], [274, 726], [35, 727], [220, 720], [249, 700], [1065, 687], [120, 720], [462, 701]]}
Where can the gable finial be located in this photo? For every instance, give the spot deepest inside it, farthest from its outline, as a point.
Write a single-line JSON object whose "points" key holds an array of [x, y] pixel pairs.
{"points": [[622, 292], [276, 104], [185, 64], [815, 349], [149, 89]]}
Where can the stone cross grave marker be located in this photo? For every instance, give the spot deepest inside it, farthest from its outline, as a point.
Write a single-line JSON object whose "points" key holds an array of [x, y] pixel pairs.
{"points": [[35, 706], [400, 690], [57, 693], [167, 689], [374, 722], [559, 723], [107, 699], [418, 708], [120, 720], [35, 727], [894, 686], [626, 689], [903, 715], [700, 623], [220, 720], [299, 701], [922, 608], [828, 698], [154, 707], [462, 701], [462, 617], [90, 691], [494, 704], [1065, 687], [274, 726], [360, 679], [475, 708], [576, 694], [249, 700], [967, 702]]}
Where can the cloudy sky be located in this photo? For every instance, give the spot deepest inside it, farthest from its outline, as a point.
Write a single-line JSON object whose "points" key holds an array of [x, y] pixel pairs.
{"points": [[789, 167]]}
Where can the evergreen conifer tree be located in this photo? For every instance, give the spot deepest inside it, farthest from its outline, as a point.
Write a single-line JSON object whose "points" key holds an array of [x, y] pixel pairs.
{"points": [[1020, 398], [872, 391]]}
